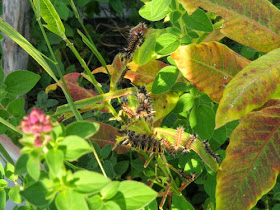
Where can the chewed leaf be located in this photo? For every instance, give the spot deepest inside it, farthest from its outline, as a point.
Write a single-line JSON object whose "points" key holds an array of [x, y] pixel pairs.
{"points": [[209, 66], [250, 89], [252, 160], [246, 21]]}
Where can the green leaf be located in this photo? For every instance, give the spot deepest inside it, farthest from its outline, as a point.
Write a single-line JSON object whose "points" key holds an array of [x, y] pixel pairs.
{"points": [[2, 199], [3, 183], [109, 205], [165, 79], [185, 103], [198, 21], [155, 10], [105, 152], [180, 203], [51, 17], [54, 159], [20, 82], [95, 202], [136, 194], [75, 147], [90, 182], [16, 107], [9, 172], [166, 44], [82, 129], [146, 52], [70, 200], [121, 167], [202, 120], [110, 190], [152, 206], [33, 166], [14, 195], [1, 74], [108, 167], [2, 172], [36, 194], [20, 167]]}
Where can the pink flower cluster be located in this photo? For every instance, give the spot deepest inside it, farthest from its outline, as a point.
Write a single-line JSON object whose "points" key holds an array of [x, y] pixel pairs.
{"points": [[36, 123]]}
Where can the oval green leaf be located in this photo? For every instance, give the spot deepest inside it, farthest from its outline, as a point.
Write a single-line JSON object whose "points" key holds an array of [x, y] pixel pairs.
{"points": [[165, 79], [70, 200], [166, 44], [136, 194], [20, 82], [202, 120], [54, 159], [82, 129], [90, 182], [75, 147], [155, 10]]}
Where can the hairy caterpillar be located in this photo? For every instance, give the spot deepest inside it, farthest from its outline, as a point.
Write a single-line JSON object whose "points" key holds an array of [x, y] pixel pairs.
{"points": [[128, 111], [167, 144], [136, 38], [189, 143], [145, 109], [143, 142], [179, 137], [210, 152]]}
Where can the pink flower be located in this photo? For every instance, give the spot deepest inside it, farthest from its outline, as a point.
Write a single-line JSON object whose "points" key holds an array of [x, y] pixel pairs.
{"points": [[36, 122]]}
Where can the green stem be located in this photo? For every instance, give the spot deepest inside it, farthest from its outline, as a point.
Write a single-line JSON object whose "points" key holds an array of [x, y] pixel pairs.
{"points": [[97, 158], [75, 168], [97, 54], [146, 126], [64, 86], [93, 80], [10, 125]]}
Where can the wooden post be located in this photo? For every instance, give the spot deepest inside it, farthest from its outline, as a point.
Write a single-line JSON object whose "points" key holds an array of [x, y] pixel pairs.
{"points": [[16, 13]]}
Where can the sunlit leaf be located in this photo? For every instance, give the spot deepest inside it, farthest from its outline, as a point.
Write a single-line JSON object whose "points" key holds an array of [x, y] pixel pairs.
{"points": [[209, 66], [252, 160], [250, 89], [252, 23]]}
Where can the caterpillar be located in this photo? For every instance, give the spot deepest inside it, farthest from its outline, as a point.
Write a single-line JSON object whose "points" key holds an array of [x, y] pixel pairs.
{"points": [[189, 178], [128, 111], [136, 38], [210, 152], [167, 145], [145, 109], [143, 142], [179, 137], [189, 143]]}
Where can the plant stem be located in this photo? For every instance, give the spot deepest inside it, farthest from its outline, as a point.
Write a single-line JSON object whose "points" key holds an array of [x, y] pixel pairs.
{"points": [[10, 125], [72, 166], [64, 87], [93, 80], [97, 158]]}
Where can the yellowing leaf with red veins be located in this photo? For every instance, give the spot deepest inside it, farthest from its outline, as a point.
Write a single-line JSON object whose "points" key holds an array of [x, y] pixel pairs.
{"points": [[209, 66], [107, 134], [252, 160], [250, 89], [252, 23], [138, 75], [75, 90]]}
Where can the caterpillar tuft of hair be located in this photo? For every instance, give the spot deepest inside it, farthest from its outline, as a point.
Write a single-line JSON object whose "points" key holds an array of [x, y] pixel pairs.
{"points": [[145, 109], [210, 152], [189, 143], [179, 137], [143, 142], [167, 145], [136, 38]]}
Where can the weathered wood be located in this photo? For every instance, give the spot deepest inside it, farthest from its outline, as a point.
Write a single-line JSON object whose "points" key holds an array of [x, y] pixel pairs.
{"points": [[16, 13]]}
